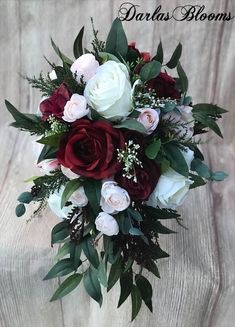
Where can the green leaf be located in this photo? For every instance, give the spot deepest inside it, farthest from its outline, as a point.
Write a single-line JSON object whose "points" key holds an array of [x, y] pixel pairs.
{"points": [[52, 140], [77, 255], [145, 289], [126, 283], [173, 62], [116, 42], [68, 285], [134, 214], [207, 121], [165, 165], [209, 109], [201, 168], [128, 264], [135, 231], [93, 192], [90, 252], [136, 302], [132, 124], [60, 232], [183, 80], [20, 210], [124, 222], [61, 268], [25, 197], [92, 285], [161, 213], [159, 55], [152, 149], [161, 229], [218, 176], [102, 275], [152, 267], [63, 251], [176, 159], [60, 54], [105, 56], [187, 100], [70, 188], [77, 46], [197, 181], [150, 70], [47, 152], [114, 274]]}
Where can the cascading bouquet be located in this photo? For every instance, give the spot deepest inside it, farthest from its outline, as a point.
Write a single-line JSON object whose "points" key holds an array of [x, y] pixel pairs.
{"points": [[118, 153]]}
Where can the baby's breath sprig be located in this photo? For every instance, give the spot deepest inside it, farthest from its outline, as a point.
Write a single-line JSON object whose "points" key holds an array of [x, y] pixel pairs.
{"points": [[129, 157], [149, 99], [56, 127]]}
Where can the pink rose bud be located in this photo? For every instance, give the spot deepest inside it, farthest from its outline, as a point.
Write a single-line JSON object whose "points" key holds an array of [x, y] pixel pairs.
{"points": [[84, 67], [48, 165], [75, 108], [149, 118]]}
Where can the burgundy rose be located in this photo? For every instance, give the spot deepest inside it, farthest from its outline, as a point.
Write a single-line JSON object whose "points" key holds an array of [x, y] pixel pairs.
{"points": [[144, 55], [147, 178], [54, 105], [164, 86], [90, 149]]}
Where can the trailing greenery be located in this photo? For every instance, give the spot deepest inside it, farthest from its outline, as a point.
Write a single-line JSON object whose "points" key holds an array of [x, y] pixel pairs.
{"points": [[43, 84]]}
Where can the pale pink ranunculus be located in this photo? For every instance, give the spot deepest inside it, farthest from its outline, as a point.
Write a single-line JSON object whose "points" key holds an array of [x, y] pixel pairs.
{"points": [[68, 172], [48, 165], [113, 198], [84, 67], [79, 197], [106, 224], [75, 108], [149, 118]]}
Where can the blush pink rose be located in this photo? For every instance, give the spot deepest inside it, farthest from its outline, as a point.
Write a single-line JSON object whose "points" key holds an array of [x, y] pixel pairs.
{"points": [[48, 165], [149, 118], [75, 108], [84, 67]]}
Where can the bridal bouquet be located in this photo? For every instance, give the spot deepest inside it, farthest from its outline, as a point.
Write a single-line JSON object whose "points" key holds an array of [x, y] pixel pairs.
{"points": [[118, 151]]}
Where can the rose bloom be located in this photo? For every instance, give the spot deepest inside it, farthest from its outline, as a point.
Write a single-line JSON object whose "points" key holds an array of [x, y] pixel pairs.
{"points": [[113, 198], [48, 165], [79, 197], [75, 108], [164, 86], [68, 173], [54, 105], [90, 149], [144, 55], [147, 178], [106, 224], [84, 67], [149, 118], [109, 91]]}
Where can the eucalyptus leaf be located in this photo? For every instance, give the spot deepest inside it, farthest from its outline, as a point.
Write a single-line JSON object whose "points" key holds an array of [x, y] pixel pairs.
{"points": [[20, 210], [25, 197], [153, 149], [176, 159], [132, 124], [150, 70], [105, 56]]}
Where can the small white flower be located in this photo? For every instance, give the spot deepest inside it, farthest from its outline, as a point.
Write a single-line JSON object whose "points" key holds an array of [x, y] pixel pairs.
{"points": [[106, 224], [84, 67], [68, 172], [75, 108], [53, 75], [113, 198], [79, 197]]}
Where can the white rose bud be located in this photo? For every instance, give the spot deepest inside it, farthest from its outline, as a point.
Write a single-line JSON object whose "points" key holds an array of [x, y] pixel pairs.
{"points": [[172, 187], [48, 165], [84, 67], [106, 224], [113, 198], [109, 91], [79, 197], [149, 118], [68, 173], [75, 108]]}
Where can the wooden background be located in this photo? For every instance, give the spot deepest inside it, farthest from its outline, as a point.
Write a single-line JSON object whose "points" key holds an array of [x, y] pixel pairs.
{"points": [[197, 287]]}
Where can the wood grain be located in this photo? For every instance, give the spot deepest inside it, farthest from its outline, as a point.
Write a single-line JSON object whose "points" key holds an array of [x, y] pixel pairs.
{"points": [[197, 285]]}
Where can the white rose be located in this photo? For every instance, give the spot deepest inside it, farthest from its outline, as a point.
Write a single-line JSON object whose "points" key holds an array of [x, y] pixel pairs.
{"points": [[183, 116], [149, 118], [75, 108], [106, 224], [48, 165], [54, 202], [53, 75], [109, 91], [79, 197], [84, 67], [172, 187], [113, 198], [68, 172]]}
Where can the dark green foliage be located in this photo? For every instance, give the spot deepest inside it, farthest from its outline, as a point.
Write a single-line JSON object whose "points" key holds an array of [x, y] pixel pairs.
{"points": [[136, 301], [43, 84], [92, 285], [126, 283], [159, 56], [183, 80], [68, 285], [61, 268], [20, 210], [150, 70], [176, 158], [60, 232], [174, 61], [77, 46], [116, 42], [70, 188], [92, 189], [145, 290]]}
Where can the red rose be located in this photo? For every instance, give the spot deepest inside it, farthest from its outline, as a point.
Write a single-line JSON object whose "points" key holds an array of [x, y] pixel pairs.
{"points": [[90, 149], [147, 178], [144, 55], [164, 86], [54, 105]]}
